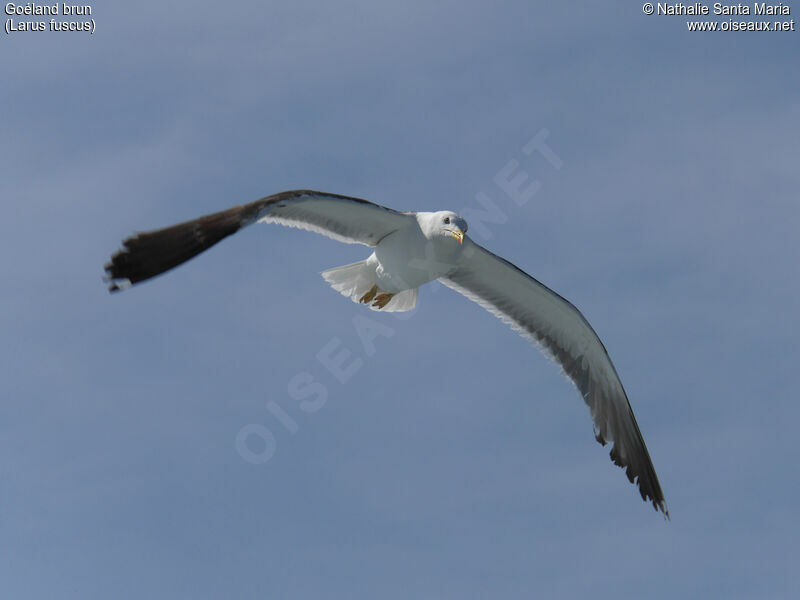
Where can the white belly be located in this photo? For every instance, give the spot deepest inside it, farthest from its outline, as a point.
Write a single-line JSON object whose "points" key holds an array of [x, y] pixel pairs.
{"points": [[407, 260]]}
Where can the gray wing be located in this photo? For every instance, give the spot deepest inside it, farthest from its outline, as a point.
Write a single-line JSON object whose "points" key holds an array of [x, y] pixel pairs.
{"points": [[561, 331], [343, 218]]}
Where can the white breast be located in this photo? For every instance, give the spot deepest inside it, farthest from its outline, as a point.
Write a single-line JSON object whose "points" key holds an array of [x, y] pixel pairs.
{"points": [[407, 259]]}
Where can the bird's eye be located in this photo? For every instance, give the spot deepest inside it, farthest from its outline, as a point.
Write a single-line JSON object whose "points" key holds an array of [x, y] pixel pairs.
{"points": [[447, 220]]}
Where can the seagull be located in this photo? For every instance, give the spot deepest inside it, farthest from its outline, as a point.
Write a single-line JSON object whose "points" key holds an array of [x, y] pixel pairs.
{"points": [[410, 250]]}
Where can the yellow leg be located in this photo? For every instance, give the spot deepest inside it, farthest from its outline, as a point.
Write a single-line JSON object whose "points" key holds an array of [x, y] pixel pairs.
{"points": [[367, 298], [381, 300]]}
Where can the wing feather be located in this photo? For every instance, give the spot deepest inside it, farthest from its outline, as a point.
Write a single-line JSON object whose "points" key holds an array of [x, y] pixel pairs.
{"points": [[561, 331], [342, 218]]}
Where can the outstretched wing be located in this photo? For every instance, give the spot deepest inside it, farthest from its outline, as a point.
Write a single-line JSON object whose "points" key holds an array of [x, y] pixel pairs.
{"points": [[561, 331], [345, 219]]}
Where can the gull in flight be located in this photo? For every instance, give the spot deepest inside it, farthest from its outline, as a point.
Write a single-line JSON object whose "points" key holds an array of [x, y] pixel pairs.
{"points": [[411, 249]]}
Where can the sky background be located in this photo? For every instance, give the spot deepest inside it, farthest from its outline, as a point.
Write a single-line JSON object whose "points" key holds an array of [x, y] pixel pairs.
{"points": [[456, 462]]}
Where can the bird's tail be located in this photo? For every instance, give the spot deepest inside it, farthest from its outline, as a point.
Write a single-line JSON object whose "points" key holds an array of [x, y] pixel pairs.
{"points": [[357, 279]]}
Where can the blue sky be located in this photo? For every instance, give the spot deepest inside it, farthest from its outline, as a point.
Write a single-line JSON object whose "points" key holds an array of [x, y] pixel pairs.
{"points": [[456, 462]]}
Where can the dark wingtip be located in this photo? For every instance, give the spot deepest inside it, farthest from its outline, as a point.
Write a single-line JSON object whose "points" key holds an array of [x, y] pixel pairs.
{"points": [[145, 255], [645, 479], [108, 278]]}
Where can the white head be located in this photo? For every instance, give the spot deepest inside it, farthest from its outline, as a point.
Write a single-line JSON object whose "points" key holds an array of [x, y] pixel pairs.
{"points": [[442, 225]]}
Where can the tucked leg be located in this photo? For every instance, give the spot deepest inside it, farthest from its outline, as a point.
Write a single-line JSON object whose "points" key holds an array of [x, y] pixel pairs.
{"points": [[381, 300], [367, 298]]}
